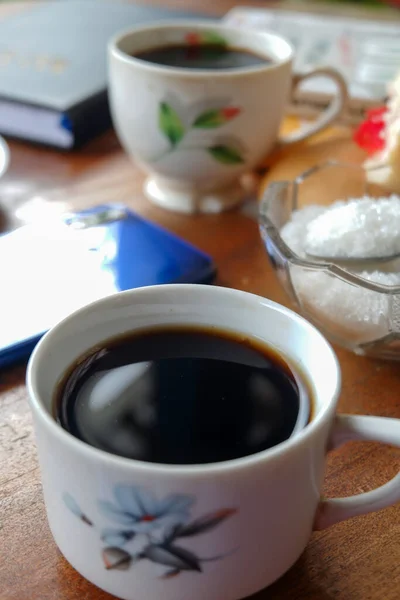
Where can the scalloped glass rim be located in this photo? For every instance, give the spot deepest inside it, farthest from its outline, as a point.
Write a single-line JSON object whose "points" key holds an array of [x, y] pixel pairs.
{"points": [[269, 230]]}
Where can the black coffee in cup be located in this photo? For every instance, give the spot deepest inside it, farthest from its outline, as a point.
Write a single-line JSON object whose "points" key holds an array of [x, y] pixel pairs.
{"points": [[180, 395]]}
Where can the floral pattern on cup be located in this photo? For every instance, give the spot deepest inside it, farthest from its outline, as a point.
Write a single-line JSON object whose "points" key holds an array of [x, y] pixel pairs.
{"points": [[150, 528], [176, 130], [195, 38]]}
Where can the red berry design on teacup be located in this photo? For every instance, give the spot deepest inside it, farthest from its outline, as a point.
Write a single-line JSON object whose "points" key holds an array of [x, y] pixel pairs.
{"points": [[216, 118], [193, 39], [230, 112]]}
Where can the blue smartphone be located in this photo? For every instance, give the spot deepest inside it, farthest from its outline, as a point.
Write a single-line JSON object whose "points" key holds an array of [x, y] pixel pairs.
{"points": [[48, 270]]}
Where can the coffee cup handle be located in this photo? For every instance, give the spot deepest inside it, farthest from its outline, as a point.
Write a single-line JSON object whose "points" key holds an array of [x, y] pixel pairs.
{"points": [[347, 428], [335, 107]]}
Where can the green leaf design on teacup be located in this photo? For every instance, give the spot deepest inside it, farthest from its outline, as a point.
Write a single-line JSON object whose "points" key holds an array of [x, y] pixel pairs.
{"points": [[226, 155], [211, 37], [215, 118], [170, 123], [181, 131], [195, 38]]}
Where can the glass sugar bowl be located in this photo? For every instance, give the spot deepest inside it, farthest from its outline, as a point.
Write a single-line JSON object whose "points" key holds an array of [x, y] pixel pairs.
{"points": [[357, 309]]}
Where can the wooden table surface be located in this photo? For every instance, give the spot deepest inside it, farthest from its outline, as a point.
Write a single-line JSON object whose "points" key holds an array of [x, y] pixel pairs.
{"points": [[355, 560]]}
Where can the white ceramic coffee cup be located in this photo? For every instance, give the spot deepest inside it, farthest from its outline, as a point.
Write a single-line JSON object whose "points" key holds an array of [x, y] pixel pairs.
{"points": [[196, 132], [243, 522]]}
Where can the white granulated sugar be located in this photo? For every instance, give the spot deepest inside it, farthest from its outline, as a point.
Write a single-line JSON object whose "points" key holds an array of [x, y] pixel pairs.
{"points": [[361, 227], [293, 231], [355, 313], [349, 312]]}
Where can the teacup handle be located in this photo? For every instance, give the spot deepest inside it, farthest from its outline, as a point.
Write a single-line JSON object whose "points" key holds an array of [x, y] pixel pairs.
{"points": [[347, 428], [334, 108]]}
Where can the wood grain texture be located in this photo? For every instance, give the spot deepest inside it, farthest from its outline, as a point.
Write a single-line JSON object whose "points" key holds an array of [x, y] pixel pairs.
{"points": [[355, 560]]}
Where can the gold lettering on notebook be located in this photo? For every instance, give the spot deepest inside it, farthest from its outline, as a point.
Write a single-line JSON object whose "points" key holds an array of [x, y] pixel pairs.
{"points": [[37, 62], [58, 65], [5, 57], [42, 62]]}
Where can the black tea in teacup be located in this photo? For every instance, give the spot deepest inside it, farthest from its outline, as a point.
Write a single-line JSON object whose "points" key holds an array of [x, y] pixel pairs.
{"points": [[203, 56]]}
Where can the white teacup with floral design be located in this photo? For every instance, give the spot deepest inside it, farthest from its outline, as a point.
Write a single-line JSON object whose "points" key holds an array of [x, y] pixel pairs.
{"points": [[197, 131], [219, 531]]}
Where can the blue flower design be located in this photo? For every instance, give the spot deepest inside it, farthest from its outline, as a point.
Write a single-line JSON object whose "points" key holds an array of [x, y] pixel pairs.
{"points": [[116, 537], [141, 512], [74, 507], [160, 525]]}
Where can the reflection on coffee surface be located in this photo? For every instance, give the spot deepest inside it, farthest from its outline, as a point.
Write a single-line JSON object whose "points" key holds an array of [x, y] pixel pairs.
{"points": [[179, 395]]}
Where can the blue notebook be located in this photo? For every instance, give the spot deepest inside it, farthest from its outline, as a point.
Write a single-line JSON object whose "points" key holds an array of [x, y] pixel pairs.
{"points": [[47, 271], [53, 84]]}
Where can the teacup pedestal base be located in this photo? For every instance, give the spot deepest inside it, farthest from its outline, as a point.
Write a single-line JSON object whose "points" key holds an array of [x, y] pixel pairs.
{"points": [[192, 202]]}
